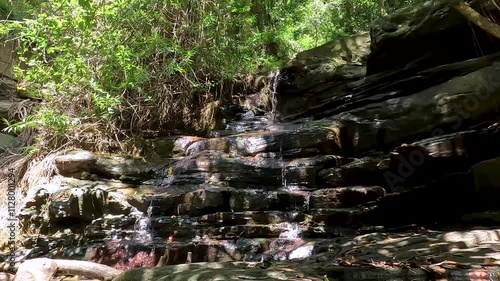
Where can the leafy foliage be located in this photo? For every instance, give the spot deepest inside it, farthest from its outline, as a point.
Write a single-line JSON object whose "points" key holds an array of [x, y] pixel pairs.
{"points": [[110, 69]]}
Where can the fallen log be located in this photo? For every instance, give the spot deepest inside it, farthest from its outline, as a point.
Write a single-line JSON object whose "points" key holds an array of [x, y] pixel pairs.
{"points": [[44, 269]]}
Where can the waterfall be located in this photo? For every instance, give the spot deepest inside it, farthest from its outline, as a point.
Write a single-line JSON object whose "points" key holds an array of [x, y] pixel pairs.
{"points": [[273, 85], [144, 232]]}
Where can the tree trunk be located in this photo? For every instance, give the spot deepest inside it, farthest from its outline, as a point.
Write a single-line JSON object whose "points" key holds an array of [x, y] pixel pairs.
{"points": [[476, 18], [259, 9]]}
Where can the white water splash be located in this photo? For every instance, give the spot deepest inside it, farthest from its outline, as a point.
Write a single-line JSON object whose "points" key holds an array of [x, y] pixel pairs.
{"points": [[301, 252], [144, 232], [292, 231], [143, 228], [283, 175]]}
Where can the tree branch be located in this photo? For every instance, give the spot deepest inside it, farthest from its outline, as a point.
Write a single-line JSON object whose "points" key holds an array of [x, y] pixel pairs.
{"points": [[476, 18]]}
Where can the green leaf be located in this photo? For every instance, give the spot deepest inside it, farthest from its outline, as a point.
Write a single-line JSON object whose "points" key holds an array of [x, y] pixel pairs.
{"points": [[84, 3]]}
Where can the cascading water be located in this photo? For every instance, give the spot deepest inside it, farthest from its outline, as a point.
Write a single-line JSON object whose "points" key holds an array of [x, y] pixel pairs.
{"points": [[307, 199], [273, 85], [283, 166], [143, 228], [292, 231]]}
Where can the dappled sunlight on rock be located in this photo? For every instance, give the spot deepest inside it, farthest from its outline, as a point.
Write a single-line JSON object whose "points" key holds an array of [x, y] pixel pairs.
{"points": [[349, 176]]}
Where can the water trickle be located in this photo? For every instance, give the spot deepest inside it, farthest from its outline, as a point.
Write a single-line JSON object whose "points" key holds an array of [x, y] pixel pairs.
{"points": [[283, 166], [143, 228], [292, 231], [306, 201], [149, 211], [273, 85], [144, 232]]}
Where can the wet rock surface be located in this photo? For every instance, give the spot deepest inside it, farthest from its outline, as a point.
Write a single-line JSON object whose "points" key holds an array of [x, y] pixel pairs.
{"points": [[353, 168], [376, 256]]}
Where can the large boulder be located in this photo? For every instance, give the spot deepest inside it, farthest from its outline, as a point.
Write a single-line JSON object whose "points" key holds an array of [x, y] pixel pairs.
{"points": [[341, 59], [83, 164], [73, 163], [303, 82], [426, 35], [304, 171], [486, 178], [7, 142], [5, 107], [457, 104]]}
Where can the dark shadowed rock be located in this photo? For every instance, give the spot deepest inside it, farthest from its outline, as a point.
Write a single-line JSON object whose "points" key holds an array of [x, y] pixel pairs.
{"points": [[304, 171], [77, 205], [303, 83], [255, 200], [248, 217], [338, 216], [413, 29], [344, 197], [5, 107], [454, 105], [350, 174], [7, 142], [485, 177]]}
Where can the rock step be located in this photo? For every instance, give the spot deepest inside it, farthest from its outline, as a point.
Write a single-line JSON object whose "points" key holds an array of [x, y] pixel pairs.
{"points": [[253, 249], [203, 250], [206, 250], [293, 141], [253, 217], [349, 217], [327, 216], [317, 223], [214, 200], [104, 210], [282, 230], [270, 171]]}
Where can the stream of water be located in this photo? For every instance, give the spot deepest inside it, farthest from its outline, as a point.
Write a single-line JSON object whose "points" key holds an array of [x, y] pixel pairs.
{"points": [[273, 86]]}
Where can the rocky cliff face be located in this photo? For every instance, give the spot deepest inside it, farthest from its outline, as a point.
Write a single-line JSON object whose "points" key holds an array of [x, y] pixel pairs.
{"points": [[373, 132]]}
